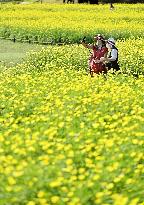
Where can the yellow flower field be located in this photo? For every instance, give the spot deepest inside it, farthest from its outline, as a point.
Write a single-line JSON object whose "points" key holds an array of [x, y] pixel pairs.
{"points": [[69, 23], [67, 138]]}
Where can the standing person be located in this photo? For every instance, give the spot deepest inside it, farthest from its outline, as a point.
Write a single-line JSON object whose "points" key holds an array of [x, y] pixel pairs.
{"points": [[111, 6], [111, 61], [98, 50]]}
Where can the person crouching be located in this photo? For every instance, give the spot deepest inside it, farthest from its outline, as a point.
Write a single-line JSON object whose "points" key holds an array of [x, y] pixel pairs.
{"points": [[111, 61]]}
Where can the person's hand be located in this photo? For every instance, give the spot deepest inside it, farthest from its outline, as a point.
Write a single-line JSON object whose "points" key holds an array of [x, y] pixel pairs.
{"points": [[82, 42], [102, 59], [97, 61]]}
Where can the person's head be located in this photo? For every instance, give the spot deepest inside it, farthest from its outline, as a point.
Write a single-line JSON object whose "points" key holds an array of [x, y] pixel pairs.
{"points": [[110, 43], [99, 39]]}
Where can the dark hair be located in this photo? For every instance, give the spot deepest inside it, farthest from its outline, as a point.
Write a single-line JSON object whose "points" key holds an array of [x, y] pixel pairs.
{"points": [[103, 43]]}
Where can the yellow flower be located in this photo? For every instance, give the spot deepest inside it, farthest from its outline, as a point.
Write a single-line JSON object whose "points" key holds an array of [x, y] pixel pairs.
{"points": [[81, 170], [70, 194], [69, 161], [40, 194], [56, 183], [43, 201], [134, 201], [9, 188], [31, 203], [11, 181], [119, 199], [55, 199]]}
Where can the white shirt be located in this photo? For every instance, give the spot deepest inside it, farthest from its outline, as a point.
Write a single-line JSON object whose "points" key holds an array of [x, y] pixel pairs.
{"points": [[114, 54]]}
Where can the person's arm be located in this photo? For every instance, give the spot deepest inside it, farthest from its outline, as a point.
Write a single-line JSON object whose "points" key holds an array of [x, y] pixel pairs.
{"points": [[106, 53], [89, 46], [114, 54], [113, 57]]}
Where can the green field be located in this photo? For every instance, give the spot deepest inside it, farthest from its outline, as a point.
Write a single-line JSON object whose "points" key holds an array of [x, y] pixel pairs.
{"points": [[13, 53], [67, 138]]}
